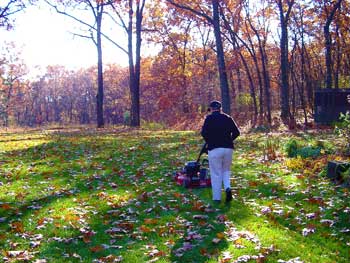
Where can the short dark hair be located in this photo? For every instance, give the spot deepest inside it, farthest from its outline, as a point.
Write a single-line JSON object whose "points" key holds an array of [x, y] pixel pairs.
{"points": [[215, 104]]}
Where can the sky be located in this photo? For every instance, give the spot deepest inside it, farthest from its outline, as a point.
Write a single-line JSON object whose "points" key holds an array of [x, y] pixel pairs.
{"points": [[45, 38]]}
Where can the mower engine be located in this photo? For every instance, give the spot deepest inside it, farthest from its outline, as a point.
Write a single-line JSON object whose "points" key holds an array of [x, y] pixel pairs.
{"points": [[195, 174]]}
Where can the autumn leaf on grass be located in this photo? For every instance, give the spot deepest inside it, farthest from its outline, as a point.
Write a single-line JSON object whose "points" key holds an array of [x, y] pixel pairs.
{"points": [[180, 251], [221, 218], [5, 206], [71, 218], [96, 249], [139, 173], [170, 243], [143, 197], [127, 226], [216, 240], [34, 244], [102, 195], [17, 227], [238, 243], [316, 201], [193, 236], [220, 235], [155, 253], [150, 221], [2, 236], [18, 256], [226, 257], [198, 206], [308, 230], [20, 196], [144, 229], [87, 236], [110, 259], [253, 184]]}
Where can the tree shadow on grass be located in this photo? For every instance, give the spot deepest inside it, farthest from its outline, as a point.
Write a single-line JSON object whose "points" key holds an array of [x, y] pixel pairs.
{"points": [[48, 168], [62, 156], [279, 223], [172, 231]]}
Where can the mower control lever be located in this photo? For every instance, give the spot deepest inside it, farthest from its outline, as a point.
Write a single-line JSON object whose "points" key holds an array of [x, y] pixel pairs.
{"points": [[203, 150]]}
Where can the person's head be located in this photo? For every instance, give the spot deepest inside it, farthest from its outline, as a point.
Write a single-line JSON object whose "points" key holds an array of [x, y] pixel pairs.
{"points": [[215, 105]]}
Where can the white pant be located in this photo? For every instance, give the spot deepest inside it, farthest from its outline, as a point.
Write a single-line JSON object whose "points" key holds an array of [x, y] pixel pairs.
{"points": [[220, 160]]}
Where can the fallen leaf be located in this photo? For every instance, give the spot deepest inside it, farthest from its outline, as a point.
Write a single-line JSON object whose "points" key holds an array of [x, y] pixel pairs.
{"points": [[221, 218], [19, 255], [17, 227], [216, 240], [220, 235], [110, 259], [150, 221], [144, 229], [226, 257], [96, 249]]}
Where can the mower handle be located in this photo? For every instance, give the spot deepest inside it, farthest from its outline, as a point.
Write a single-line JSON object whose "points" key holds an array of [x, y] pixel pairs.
{"points": [[203, 150]]}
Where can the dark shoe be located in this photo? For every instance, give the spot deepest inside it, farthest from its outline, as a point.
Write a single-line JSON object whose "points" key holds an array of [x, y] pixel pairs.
{"points": [[228, 195]]}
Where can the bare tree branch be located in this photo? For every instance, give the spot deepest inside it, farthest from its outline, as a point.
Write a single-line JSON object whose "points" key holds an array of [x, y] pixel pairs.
{"points": [[123, 24], [86, 24], [188, 8]]}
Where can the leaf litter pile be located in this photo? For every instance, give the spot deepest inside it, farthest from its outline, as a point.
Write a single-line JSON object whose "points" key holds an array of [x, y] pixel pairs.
{"points": [[108, 196]]}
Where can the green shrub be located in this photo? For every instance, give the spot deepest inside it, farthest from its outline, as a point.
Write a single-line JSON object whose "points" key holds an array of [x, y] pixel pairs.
{"points": [[309, 151], [327, 146], [294, 148], [291, 147]]}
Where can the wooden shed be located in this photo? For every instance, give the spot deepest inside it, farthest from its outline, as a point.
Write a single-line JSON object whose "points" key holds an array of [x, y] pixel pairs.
{"points": [[329, 103]]}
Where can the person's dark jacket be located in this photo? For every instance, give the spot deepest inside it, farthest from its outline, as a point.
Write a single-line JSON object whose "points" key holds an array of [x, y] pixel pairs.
{"points": [[219, 130]]}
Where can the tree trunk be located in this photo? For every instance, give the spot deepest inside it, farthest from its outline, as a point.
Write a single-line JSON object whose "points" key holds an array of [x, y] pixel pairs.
{"points": [[7, 104], [215, 21], [266, 81], [99, 97], [224, 87], [328, 44], [258, 72], [303, 74], [338, 59], [134, 114], [284, 88], [252, 88]]}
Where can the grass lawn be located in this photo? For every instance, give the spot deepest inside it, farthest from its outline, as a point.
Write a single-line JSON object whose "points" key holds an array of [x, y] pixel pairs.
{"points": [[108, 196]]}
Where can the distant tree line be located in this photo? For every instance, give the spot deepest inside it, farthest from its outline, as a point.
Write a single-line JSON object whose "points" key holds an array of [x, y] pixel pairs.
{"points": [[263, 59]]}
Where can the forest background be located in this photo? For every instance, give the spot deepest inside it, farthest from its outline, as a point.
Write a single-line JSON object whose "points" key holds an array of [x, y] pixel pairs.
{"points": [[263, 59]]}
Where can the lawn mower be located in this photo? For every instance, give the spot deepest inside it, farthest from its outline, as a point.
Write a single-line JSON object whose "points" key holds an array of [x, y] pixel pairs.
{"points": [[195, 174]]}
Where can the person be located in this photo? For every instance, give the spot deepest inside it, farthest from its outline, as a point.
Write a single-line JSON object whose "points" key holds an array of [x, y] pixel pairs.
{"points": [[219, 131]]}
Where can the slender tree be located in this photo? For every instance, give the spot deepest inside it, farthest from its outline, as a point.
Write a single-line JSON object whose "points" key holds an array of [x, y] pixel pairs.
{"points": [[328, 43], [232, 20], [135, 10], [262, 39], [284, 8], [214, 20], [96, 8]]}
